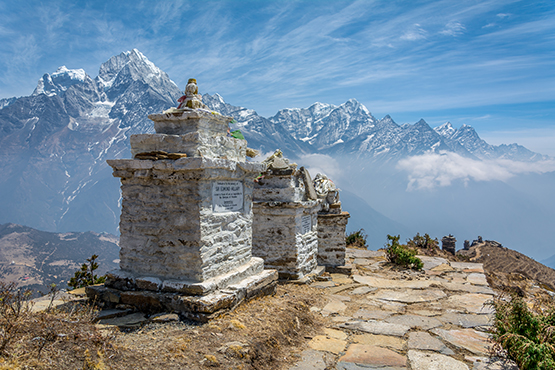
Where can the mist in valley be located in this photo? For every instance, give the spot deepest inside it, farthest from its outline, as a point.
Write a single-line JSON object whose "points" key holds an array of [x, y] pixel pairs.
{"points": [[507, 201]]}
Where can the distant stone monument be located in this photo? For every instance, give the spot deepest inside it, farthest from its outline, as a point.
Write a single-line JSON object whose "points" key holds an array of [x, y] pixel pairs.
{"points": [[186, 220], [448, 244], [285, 228], [466, 245], [332, 222]]}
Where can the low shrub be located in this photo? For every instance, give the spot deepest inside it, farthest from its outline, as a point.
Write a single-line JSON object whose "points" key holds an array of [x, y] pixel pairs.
{"points": [[356, 239], [86, 276], [526, 336], [401, 254], [423, 242]]}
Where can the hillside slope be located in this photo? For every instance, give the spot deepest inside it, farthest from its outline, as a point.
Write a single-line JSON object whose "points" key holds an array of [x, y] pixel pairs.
{"points": [[509, 269], [35, 259]]}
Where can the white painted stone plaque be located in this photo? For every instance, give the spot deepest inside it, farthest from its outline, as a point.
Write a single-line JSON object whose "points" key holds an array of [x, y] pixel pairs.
{"points": [[306, 224], [227, 196]]}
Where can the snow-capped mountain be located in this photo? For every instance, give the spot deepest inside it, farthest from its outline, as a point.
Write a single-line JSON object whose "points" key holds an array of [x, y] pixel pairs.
{"points": [[55, 142], [351, 129], [6, 101], [260, 132], [467, 138], [59, 81]]}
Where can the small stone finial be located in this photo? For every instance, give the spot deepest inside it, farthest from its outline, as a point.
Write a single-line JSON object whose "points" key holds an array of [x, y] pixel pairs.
{"points": [[191, 98]]}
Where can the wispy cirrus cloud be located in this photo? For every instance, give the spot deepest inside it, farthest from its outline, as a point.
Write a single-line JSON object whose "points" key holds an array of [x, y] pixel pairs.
{"points": [[433, 170], [415, 33], [453, 28]]}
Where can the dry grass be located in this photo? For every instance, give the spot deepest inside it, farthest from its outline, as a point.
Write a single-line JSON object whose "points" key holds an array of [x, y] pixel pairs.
{"points": [[265, 333], [56, 339]]}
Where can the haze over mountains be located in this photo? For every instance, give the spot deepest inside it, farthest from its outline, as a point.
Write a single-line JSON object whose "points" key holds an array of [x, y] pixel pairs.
{"points": [[397, 179]]}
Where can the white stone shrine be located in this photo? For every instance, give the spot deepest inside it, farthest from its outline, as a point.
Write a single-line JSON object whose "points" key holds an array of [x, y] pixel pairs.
{"points": [[332, 222], [285, 219], [186, 221]]}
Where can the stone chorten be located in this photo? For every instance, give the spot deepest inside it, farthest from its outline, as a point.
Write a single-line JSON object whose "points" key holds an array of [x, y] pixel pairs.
{"points": [[332, 222], [186, 220], [285, 229], [448, 244]]}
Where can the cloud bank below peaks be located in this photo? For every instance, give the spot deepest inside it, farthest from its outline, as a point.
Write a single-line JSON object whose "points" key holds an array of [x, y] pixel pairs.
{"points": [[433, 170]]}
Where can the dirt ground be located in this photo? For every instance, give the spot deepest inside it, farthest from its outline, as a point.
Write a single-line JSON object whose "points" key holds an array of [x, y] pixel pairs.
{"points": [[265, 333]]}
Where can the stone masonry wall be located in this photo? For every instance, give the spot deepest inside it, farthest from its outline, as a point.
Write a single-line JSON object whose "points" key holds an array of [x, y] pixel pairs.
{"points": [[331, 239], [168, 228], [279, 240], [193, 144]]}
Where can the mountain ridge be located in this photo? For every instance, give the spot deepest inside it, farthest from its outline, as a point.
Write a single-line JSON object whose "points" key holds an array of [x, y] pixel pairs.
{"points": [[53, 147], [36, 259]]}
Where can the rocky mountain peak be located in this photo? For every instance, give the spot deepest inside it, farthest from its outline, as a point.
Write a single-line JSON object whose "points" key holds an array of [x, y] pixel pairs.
{"points": [[321, 109], [130, 66], [446, 130], [353, 105], [58, 82]]}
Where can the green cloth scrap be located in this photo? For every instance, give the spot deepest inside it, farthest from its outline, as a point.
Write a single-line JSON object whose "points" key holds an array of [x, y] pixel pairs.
{"points": [[237, 134]]}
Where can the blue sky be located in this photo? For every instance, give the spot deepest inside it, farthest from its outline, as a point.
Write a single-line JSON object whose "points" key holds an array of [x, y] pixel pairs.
{"points": [[489, 64]]}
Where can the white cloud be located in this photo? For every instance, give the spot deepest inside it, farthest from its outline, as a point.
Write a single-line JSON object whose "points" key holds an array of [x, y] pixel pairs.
{"points": [[453, 29], [414, 34], [321, 163], [433, 170]]}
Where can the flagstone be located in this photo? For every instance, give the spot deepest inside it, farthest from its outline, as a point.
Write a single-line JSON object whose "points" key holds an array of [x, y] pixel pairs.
{"points": [[410, 295], [465, 320], [379, 340], [341, 279], [457, 287], [342, 298], [377, 282], [377, 327], [469, 339], [336, 334], [130, 321], [324, 343], [342, 288], [367, 314], [385, 305], [311, 360], [414, 321], [434, 361], [473, 303], [424, 341], [456, 277], [466, 266], [476, 278], [362, 290], [431, 262], [443, 267], [341, 319], [362, 261], [323, 284], [429, 313], [334, 307], [363, 253], [373, 357]]}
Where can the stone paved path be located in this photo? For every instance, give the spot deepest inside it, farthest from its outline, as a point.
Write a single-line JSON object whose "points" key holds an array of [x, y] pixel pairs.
{"points": [[380, 319]]}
